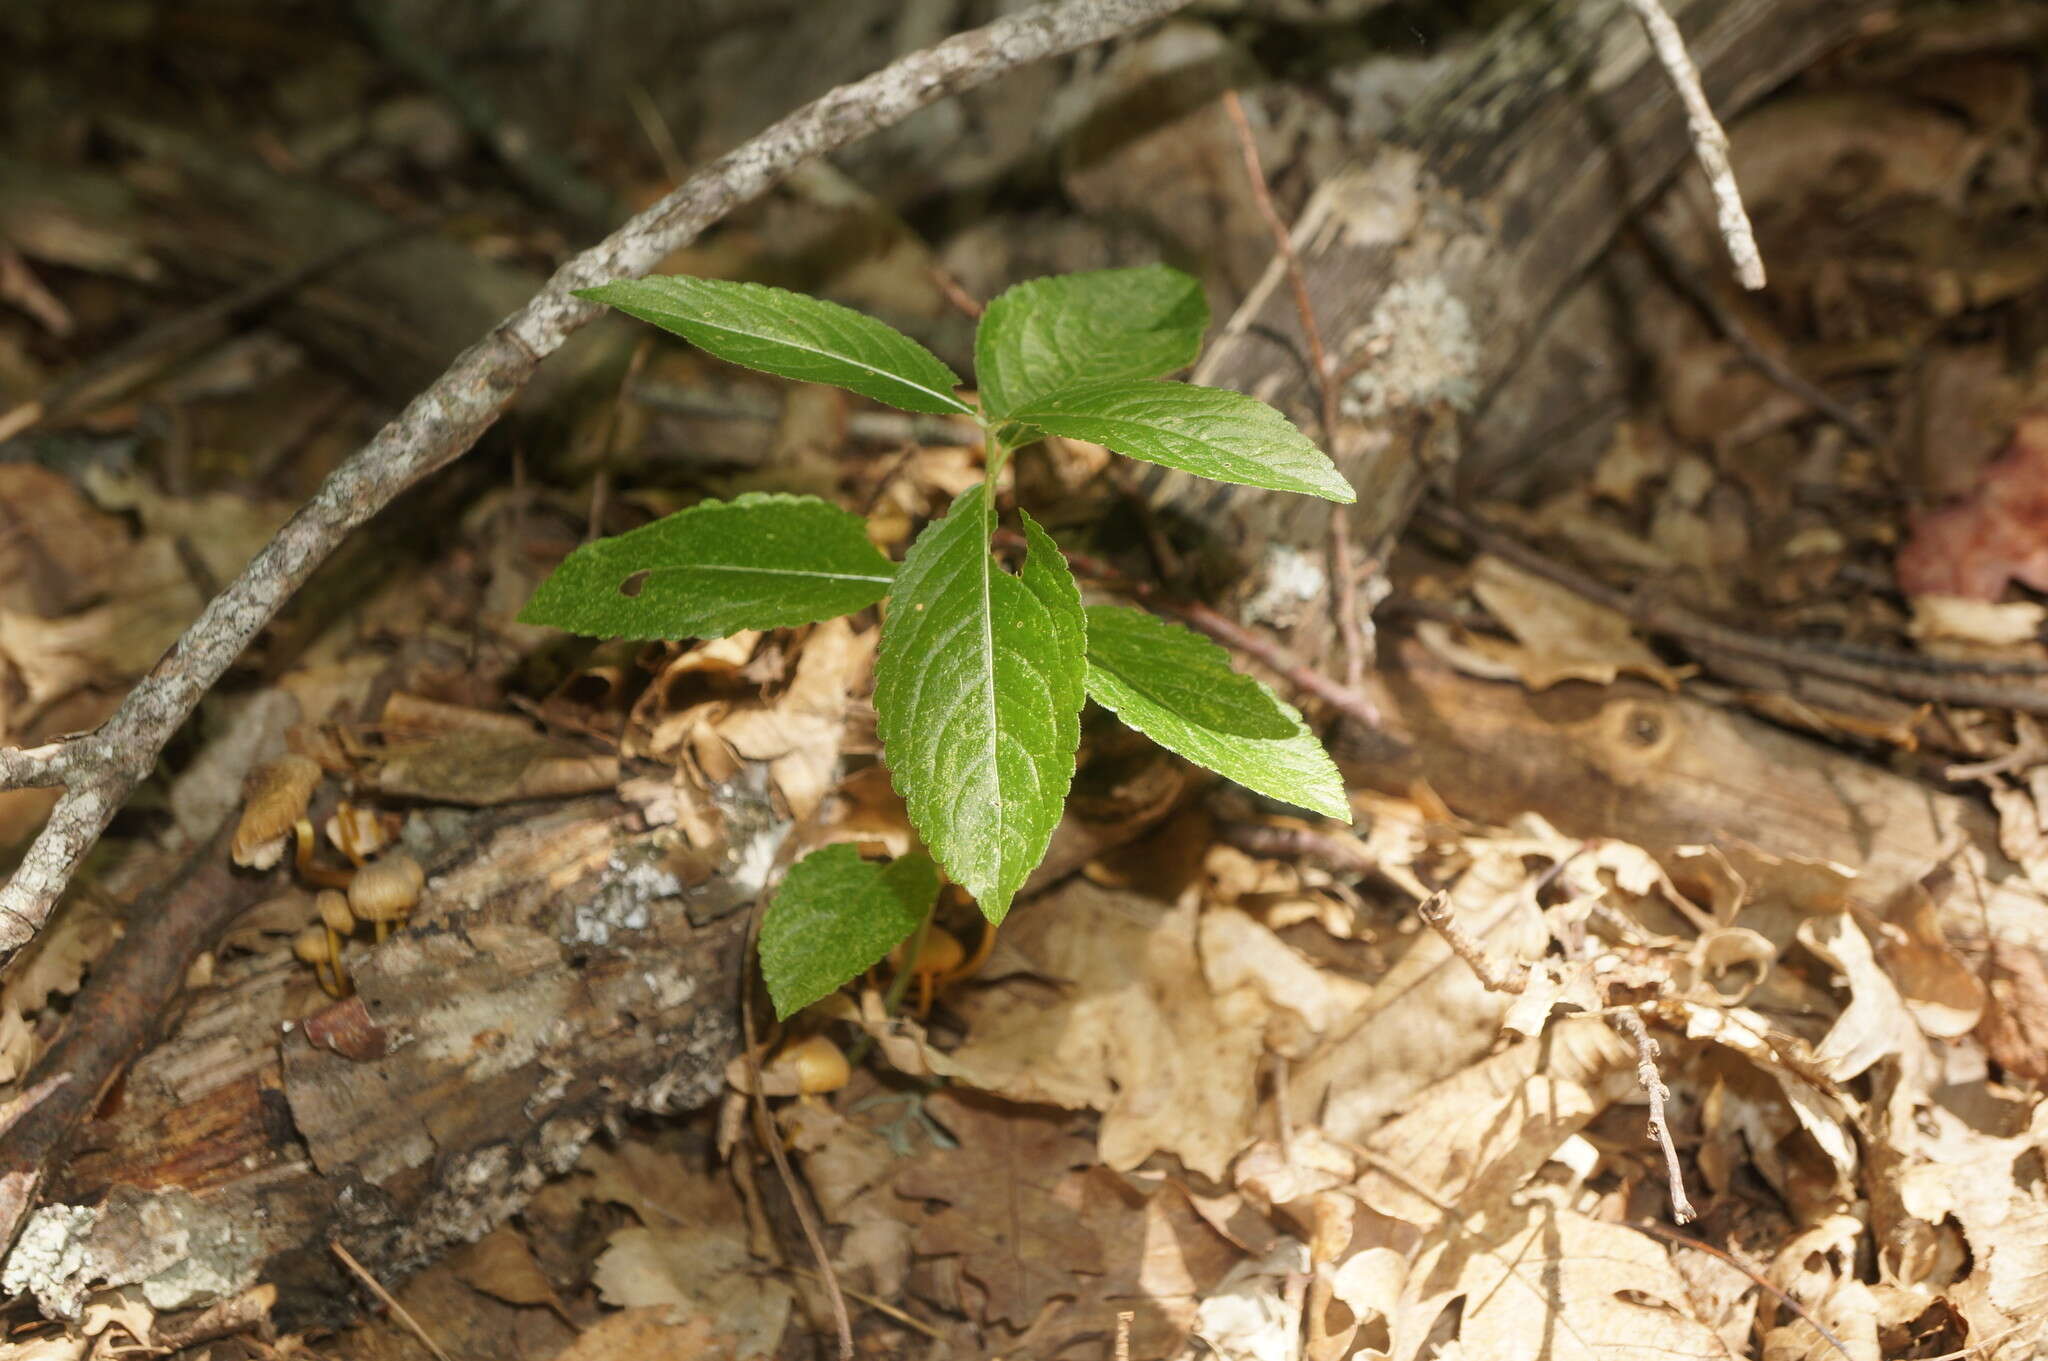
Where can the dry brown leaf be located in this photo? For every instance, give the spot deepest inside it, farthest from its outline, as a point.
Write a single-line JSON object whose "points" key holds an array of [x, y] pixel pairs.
{"points": [[1562, 636], [1475, 1138], [1001, 1212], [1128, 1026], [58, 553], [698, 1274], [501, 1265], [1540, 1283], [1876, 1025], [1975, 547], [648, 1335], [1956, 619], [798, 732], [1429, 1016]]}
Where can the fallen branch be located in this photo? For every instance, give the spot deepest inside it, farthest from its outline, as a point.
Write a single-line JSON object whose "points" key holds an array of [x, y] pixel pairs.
{"points": [[101, 769], [1492, 975], [1654, 1088], [1709, 141], [1343, 579]]}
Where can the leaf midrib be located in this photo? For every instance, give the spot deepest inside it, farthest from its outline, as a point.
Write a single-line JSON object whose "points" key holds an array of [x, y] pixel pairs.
{"points": [[947, 397], [739, 570]]}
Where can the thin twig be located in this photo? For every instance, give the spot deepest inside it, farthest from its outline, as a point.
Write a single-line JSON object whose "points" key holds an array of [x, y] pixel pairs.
{"points": [[444, 421], [1656, 1091], [398, 1311], [1228, 632], [1732, 330], [1343, 577], [1709, 141], [77, 389], [1762, 1282], [1492, 975], [1906, 675], [842, 1321]]}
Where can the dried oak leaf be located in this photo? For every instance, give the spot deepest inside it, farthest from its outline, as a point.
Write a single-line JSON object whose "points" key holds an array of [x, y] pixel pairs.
{"points": [[1001, 1215], [1539, 1281], [1995, 535]]}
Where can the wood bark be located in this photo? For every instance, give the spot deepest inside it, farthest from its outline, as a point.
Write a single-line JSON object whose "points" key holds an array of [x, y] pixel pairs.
{"points": [[1437, 259], [568, 964]]}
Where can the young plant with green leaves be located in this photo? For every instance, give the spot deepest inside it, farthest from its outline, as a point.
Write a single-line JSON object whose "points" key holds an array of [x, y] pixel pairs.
{"points": [[982, 672]]}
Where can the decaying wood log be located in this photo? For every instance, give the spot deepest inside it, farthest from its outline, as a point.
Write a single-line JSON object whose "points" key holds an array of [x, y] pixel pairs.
{"points": [[1663, 770], [1439, 256], [568, 964]]}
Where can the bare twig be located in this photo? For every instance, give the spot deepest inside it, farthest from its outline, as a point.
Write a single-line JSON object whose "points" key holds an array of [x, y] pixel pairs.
{"points": [[445, 420], [1492, 975], [1344, 853], [1343, 576], [398, 1311], [1709, 142], [1233, 635], [1762, 1282], [1722, 319], [1654, 1088], [107, 375], [1994, 685], [842, 1321]]}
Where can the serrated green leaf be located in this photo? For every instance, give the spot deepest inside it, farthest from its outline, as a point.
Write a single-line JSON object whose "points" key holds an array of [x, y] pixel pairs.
{"points": [[978, 690], [834, 915], [1113, 323], [1140, 666], [760, 561], [1210, 432], [791, 336]]}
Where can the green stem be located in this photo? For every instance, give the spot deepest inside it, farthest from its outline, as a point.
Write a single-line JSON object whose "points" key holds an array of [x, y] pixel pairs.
{"points": [[893, 998], [995, 455]]}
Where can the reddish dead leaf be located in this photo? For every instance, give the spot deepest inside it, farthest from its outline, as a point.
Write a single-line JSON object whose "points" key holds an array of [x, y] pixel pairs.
{"points": [[1997, 534], [346, 1029], [1014, 1237]]}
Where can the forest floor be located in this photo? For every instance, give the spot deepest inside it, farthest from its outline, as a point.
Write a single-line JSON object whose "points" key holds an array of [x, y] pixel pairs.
{"points": [[1719, 716]]}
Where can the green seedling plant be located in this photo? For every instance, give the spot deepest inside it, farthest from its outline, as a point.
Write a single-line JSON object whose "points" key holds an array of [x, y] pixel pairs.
{"points": [[982, 672]]}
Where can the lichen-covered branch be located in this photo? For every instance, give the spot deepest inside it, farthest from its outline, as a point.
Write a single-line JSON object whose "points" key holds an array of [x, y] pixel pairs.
{"points": [[444, 421], [1709, 141]]}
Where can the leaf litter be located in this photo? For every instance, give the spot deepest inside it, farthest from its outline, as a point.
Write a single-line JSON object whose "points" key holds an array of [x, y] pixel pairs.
{"points": [[1245, 1096]]}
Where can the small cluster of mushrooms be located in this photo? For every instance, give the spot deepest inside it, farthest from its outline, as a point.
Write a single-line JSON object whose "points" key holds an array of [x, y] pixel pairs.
{"points": [[378, 891]]}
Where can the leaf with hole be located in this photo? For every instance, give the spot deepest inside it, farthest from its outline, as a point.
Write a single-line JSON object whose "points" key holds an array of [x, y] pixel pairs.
{"points": [[1210, 432], [978, 691], [791, 336], [835, 915], [1040, 336], [760, 561], [1179, 689]]}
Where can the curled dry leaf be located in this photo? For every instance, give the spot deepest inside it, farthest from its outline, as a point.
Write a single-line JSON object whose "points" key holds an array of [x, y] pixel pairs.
{"points": [[1115, 1014], [1559, 636]]}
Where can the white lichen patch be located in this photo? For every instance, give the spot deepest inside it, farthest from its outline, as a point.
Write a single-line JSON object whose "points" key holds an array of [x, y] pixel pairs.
{"points": [[1419, 348], [48, 1256], [1288, 579], [180, 1252]]}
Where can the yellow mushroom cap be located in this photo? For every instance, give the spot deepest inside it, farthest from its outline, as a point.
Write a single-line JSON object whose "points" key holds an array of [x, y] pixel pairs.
{"points": [[942, 952], [277, 797], [811, 1066], [333, 908], [310, 945], [386, 890]]}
